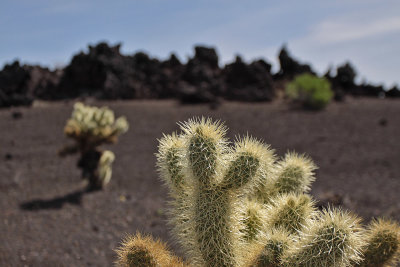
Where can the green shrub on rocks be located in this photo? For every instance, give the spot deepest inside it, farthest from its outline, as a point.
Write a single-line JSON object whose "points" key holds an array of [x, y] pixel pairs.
{"points": [[310, 91]]}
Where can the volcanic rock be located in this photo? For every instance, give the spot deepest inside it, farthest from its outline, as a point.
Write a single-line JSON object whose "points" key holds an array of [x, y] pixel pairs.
{"points": [[202, 80], [343, 82], [290, 67], [13, 85], [98, 73], [393, 92], [251, 82], [369, 90], [103, 72]]}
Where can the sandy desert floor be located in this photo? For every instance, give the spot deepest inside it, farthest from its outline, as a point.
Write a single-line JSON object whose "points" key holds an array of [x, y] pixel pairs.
{"points": [[47, 220]]}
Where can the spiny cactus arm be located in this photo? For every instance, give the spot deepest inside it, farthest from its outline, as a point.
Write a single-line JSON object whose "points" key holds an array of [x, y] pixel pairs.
{"points": [[170, 163], [335, 239], [213, 222], [276, 242], [294, 173], [205, 148], [284, 217], [253, 225], [170, 158], [179, 218], [105, 167], [144, 251], [121, 125], [290, 212], [250, 161], [215, 229], [382, 247], [254, 220]]}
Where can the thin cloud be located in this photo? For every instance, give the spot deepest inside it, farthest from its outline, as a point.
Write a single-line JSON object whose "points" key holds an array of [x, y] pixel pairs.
{"points": [[367, 39], [339, 31]]}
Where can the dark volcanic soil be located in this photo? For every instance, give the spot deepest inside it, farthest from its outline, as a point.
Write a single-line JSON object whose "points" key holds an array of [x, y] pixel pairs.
{"points": [[46, 220]]}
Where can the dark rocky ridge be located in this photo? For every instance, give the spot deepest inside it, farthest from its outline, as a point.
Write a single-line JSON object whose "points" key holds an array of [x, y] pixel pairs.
{"points": [[105, 73]]}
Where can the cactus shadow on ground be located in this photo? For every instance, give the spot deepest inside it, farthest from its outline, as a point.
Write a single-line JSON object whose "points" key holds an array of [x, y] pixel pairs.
{"points": [[74, 198]]}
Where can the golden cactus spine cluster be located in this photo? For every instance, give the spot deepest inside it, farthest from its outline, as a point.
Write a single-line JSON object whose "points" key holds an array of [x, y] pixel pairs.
{"points": [[94, 125], [382, 244], [144, 251]]}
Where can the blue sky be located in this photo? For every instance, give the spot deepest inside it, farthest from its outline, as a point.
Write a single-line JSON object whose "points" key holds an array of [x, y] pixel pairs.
{"points": [[323, 33]]}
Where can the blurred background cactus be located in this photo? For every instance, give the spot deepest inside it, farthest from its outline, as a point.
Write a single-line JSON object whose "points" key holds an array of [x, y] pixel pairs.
{"points": [[310, 91], [237, 205], [91, 127]]}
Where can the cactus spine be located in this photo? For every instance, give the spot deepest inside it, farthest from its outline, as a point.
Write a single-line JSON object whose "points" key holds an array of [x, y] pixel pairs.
{"points": [[90, 127]]}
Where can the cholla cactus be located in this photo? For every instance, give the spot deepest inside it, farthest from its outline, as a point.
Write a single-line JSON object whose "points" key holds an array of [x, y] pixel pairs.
{"points": [[237, 206], [90, 127], [93, 126]]}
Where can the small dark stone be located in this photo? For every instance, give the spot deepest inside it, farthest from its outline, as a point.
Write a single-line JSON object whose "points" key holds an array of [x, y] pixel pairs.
{"points": [[383, 122], [8, 156], [16, 114]]}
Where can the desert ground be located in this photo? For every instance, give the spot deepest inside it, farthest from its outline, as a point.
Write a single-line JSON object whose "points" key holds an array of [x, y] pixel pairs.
{"points": [[47, 219]]}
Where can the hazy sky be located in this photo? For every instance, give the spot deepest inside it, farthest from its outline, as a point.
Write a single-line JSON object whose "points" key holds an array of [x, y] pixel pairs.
{"points": [[323, 33]]}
